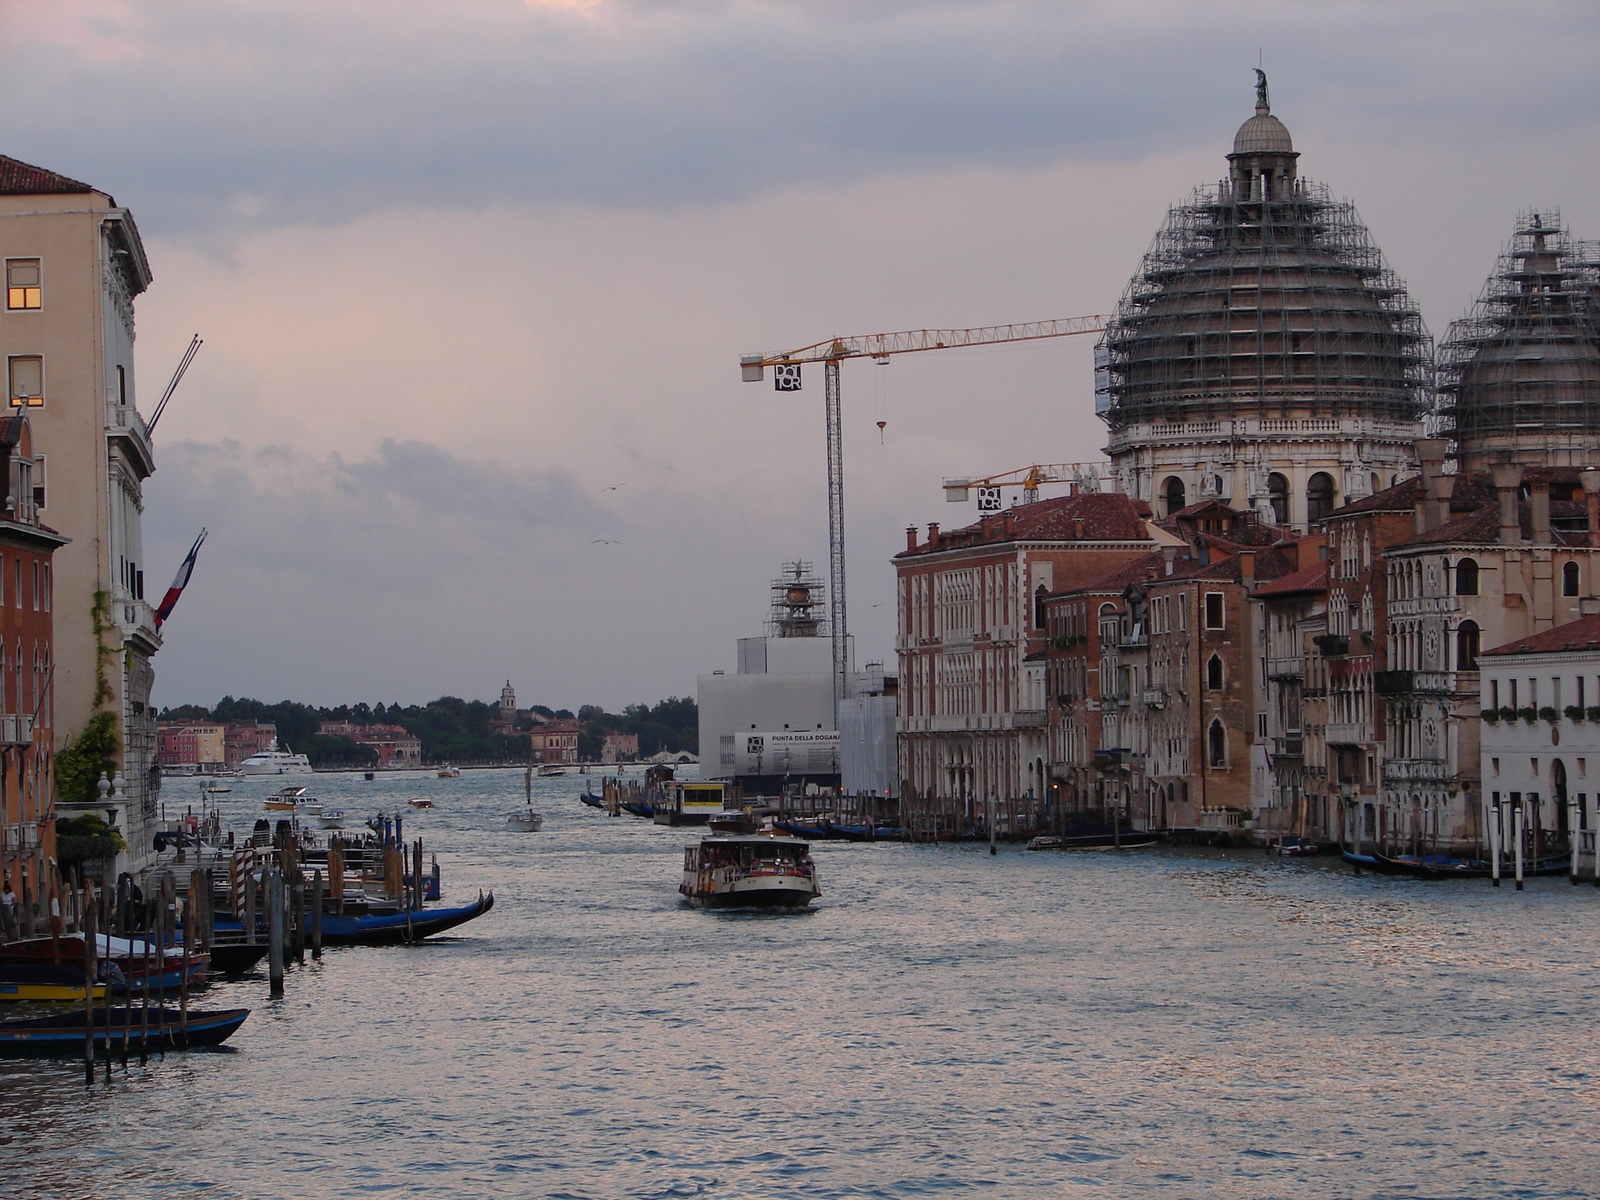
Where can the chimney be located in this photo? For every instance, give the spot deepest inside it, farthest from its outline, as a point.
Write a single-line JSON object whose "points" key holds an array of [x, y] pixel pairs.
{"points": [[1591, 497], [911, 537], [1507, 479], [1169, 555], [933, 535], [1008, 523], [1247, 569], [1540, 491], [1431, 452]]}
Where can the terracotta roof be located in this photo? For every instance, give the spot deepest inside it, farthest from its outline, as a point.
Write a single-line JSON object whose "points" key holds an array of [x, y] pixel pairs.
{"points": [[1087, 517], [1399, 498], [1313, 579], [20, 178], [1271, 563], [1582, 634], [1135, 570]]}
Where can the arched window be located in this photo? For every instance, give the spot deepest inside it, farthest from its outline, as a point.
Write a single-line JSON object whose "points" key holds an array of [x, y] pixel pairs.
{"points": [[1467, 577], [1174, 492], [1319, 497], [1278, 494], [1214, 673], [1217, 744], [1467, 646], [1569, 579]]}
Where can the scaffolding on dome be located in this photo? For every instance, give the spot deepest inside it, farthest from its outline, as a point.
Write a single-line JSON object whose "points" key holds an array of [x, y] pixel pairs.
{"points": [[1265, 308], [1519, 375]]}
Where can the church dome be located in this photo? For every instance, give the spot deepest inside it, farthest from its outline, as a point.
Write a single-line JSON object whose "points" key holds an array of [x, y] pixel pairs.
{"points": [[1262, 298], [1520, 374], [1263, 134]]}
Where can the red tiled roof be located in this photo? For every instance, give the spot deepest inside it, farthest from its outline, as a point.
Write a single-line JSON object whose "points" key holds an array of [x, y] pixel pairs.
{"points": [[1135, 570], [1088, 517], [1582, 634], [1313, 579], [1271, 563], [20, 178]]}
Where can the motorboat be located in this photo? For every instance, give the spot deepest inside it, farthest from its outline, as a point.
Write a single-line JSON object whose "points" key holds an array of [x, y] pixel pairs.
{"points": [[331, 818], [276, 762], [551, 770], [526, 821], [295, 800], [419, 802], [449, 772], [756, 871]]}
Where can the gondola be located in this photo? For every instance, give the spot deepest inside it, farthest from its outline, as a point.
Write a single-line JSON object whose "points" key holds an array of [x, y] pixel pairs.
{"points": [[382, 929], [1440, 866], [811, 831], [114, 1028]]}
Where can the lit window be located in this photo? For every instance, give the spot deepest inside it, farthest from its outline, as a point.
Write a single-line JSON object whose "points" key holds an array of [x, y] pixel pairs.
{"points": [[22, 283], [27, 380]]}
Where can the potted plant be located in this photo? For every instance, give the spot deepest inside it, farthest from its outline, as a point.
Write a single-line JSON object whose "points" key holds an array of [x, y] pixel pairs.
{"points": [[1549, 713], [1507, 713], [1492, 715], [1530, 714], [1575, 712]]}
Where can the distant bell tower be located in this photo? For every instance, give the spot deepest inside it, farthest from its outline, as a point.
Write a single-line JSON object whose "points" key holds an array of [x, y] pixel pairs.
{"points": [[508, 704]]}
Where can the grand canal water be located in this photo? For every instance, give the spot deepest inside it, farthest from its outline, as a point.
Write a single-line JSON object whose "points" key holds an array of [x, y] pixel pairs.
{"points": [[944, 1023]]}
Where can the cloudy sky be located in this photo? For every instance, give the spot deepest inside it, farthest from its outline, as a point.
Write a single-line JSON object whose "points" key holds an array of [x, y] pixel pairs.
{"points": [[474, 277]]}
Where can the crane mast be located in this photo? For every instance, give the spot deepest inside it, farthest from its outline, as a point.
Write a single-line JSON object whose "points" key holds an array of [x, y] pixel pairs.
{"points": [[877, 346]]}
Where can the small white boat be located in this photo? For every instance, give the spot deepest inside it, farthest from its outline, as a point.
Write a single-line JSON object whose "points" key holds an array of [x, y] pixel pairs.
{"points": [[749, 872], [449, 772], [419, 802], [551, 770], [331, 818], [526, 821]]}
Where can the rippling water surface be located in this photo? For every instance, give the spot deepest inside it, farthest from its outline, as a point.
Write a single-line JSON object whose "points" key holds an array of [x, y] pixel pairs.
{"points": [[943, 1023]]}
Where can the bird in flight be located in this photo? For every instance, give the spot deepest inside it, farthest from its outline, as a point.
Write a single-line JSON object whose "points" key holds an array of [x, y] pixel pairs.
{"points": [[605, 542], [613, 487]]}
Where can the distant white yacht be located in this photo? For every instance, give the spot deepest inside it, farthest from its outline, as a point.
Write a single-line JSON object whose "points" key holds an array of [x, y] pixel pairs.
{"points": [[276, 762]]}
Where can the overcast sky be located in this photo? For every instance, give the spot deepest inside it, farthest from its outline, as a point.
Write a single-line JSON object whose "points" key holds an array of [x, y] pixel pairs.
{"points": [[474, 277]]}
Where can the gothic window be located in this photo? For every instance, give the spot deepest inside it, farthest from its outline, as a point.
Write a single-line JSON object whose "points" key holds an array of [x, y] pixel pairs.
{"points": [[1214, 673], [1467, 577], [1217, 744], [1319, 497], [1569, 579]]}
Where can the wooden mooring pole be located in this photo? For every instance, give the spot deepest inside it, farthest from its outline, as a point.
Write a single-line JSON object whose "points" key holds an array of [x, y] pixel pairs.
{"points": [[88, 984], [274, 899], [316, 916]]}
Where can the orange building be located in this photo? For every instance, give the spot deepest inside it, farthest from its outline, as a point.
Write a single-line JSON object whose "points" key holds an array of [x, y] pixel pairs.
{"points": [[556, 741]]}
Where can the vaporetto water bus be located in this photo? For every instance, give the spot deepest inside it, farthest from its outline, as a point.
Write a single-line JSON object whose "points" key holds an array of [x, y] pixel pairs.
{"points": [[756, 871]]}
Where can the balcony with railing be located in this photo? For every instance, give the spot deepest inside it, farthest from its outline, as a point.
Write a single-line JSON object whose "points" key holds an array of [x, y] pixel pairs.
{"points": [[1346, 733], [1422, 770], [1290, 745], [1028, 718], [1153, 698]]}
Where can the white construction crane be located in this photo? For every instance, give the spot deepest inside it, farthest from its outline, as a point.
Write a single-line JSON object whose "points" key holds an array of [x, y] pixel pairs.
{"points": [[879, 346]]}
